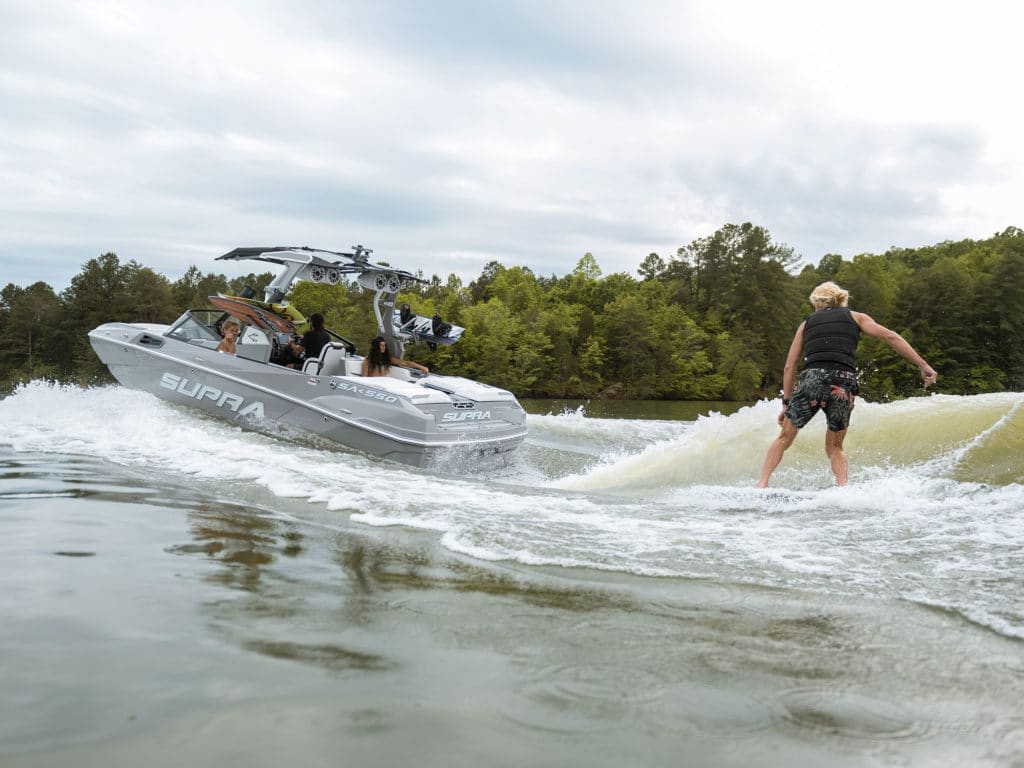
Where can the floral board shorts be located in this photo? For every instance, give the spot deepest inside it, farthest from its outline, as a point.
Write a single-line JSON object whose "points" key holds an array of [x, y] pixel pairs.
{"points": [[822, 389]]}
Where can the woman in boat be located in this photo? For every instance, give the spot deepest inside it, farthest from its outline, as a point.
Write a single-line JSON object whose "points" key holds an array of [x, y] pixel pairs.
{"points": [[229, 329], [378, 360]]}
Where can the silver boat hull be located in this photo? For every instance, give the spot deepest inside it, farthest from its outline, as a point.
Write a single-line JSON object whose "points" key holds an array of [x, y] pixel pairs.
{"points": [[435, 421]]}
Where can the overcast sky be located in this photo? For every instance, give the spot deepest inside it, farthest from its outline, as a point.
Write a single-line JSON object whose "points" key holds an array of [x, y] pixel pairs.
{"points": [[448, 134]]}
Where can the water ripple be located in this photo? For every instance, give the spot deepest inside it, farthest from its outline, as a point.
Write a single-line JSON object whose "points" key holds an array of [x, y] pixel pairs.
{"points": [[583, 698], [21, 495], [846, 715]]}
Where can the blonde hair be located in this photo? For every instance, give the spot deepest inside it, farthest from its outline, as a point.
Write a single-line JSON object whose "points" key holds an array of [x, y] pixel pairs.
{"points": [[829, 295]]}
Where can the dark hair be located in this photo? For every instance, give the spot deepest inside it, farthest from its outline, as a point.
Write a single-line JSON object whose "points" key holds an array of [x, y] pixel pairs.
{"points": [[377, 360], [317, 321]]}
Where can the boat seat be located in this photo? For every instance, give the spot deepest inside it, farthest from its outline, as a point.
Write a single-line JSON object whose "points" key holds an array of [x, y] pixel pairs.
{"points": [[331, 361], [253, 344], [401, 373]]}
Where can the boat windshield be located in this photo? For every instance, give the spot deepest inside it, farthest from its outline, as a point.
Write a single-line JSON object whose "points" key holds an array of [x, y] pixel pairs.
{"points": [[196, 324]]}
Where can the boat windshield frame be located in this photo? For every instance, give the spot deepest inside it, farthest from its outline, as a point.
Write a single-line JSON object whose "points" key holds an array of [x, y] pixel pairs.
{"points": [[196, 324]]}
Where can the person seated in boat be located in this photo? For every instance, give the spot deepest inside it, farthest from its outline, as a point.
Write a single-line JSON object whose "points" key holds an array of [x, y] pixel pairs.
{"points": [[378, 360], [229, 329], [316, 337], [292, 353]]}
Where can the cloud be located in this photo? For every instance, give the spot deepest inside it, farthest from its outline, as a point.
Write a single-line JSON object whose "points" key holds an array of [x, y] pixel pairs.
{"points": [[449, 134]]}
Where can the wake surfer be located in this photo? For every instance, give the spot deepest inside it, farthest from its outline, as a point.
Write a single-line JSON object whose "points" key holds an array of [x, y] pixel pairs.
{"points": [[827, 341]]}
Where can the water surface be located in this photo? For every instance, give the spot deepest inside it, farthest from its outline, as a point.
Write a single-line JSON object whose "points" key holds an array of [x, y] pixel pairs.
{"points": [[179, 591]]}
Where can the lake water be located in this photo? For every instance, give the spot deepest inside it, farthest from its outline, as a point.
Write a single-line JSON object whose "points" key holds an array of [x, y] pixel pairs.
{"points": [[177, 591]]}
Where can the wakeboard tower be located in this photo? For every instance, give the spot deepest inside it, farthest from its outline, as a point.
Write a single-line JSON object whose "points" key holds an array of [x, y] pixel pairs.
{"points": [[398, 325]]}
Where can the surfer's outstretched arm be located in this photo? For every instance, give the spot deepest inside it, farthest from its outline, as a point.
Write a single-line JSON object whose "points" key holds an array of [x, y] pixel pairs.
{"points": [[871, 328]]}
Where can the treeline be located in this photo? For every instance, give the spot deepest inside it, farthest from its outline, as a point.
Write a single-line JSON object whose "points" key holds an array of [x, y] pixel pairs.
{"points": [[712, 322]]}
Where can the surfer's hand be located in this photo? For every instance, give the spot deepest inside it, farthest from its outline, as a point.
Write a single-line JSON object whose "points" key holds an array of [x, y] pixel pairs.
{"points": [[782, 416], [929, 375]]}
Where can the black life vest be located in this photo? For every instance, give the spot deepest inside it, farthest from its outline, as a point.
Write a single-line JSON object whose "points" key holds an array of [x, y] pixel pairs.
{"points": [[830, 339]]}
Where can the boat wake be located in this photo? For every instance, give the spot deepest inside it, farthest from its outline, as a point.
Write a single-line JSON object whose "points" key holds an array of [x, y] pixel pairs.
{"points": [[934, 512], [973, 439]]}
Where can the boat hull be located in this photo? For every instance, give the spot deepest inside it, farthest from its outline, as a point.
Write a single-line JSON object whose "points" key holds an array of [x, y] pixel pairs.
{"points": [[426, 423]]}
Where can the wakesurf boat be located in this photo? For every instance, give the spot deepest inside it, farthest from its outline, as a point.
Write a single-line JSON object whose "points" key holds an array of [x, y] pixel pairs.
{"points": [[426, 420]]}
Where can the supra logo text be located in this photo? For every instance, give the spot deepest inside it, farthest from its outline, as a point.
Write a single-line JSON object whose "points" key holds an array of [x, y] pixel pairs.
{"points": [[220, 398], [466, 416]]}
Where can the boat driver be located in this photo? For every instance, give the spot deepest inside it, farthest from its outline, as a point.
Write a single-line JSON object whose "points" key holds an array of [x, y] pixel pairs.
{"points": [[316, 337], [292, 353]]}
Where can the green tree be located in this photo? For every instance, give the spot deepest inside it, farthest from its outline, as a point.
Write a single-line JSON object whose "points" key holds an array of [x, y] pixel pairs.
{"points": [[629, 346], [192, 289], [96, 295], [936, 313], [592, 366], [517, 288], [28, 348], [684, 367], [828, 267], [150, 294], [1003, 307], [652, 268], [732, 359], [873, 283], [488, 348], [561, 326], [479, 289]]}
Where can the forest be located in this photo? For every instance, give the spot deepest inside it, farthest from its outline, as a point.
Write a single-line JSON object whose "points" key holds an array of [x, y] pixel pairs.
{"points": [[712, 321]]}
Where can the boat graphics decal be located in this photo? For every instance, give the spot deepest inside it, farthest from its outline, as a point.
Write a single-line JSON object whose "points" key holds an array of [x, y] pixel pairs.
{"points": [[466, 416], [374, 394], [220, 398]]}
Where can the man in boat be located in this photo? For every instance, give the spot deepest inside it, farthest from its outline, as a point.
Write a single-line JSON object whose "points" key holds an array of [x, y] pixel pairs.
{"points": [[292, 353], [314, 339]]}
